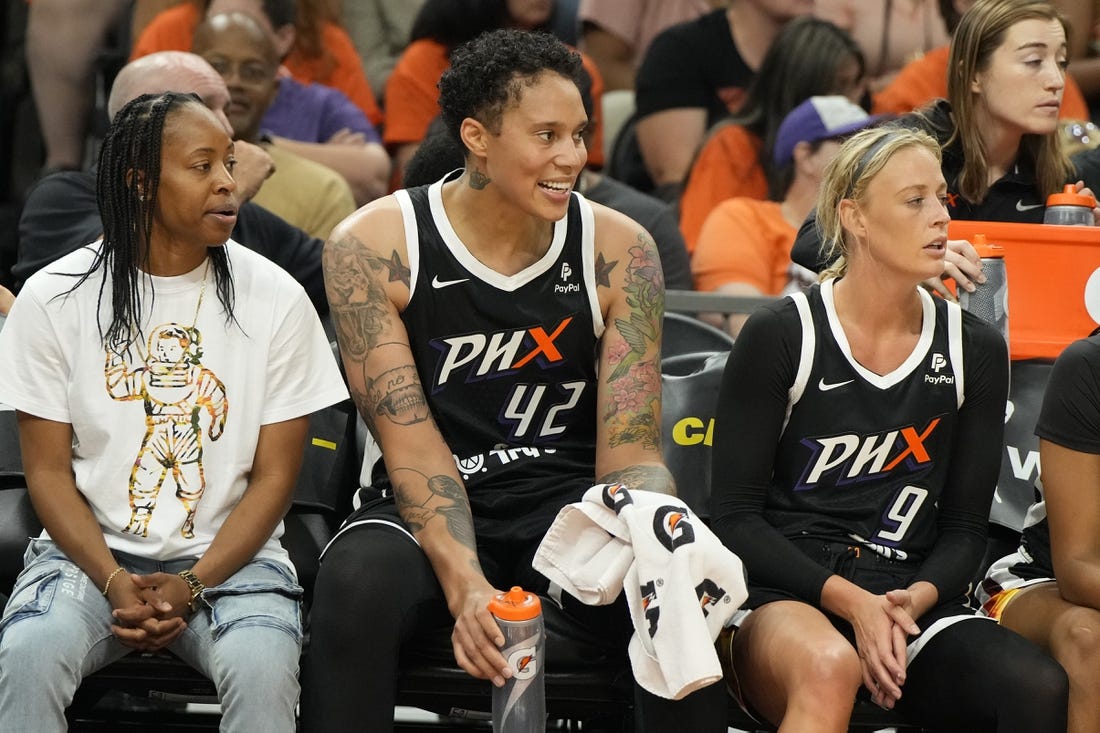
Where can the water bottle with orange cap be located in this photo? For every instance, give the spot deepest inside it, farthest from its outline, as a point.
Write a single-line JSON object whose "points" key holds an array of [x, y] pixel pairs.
{"points": [[520, 705], [990, 299], [1069, 208]]}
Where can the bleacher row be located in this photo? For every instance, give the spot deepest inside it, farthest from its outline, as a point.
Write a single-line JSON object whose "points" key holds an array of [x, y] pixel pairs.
{"points": [[586, 679]]}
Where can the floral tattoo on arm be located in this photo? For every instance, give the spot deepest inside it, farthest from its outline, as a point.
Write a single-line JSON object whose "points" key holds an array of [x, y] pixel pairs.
{"points": [[633, 413]]}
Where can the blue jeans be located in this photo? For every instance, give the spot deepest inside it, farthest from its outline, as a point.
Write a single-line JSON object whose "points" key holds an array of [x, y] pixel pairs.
{"points": [[56, 630]]}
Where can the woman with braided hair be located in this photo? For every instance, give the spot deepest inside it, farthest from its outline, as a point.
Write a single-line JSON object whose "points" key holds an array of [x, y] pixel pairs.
{"points": [[162, 429]]}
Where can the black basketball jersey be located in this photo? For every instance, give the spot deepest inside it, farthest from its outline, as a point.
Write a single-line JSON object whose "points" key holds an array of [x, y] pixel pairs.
{"points": [[1070, 417], [863, 455], [508, 364]]}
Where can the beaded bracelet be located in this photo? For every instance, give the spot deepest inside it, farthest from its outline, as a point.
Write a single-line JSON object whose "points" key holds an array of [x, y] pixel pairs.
{"points": [[107, 585]]}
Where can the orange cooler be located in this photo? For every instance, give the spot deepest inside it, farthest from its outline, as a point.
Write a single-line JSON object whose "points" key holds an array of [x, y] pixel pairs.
{"points": [[1053, 282]]}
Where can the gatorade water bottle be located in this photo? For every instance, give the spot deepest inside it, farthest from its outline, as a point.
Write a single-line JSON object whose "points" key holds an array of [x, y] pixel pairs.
{"points": [[520, 705], [990, 299], [1069, 208]]}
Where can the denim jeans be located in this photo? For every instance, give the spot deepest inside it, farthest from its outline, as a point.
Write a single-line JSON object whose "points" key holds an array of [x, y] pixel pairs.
{"points": [[56, 629]]}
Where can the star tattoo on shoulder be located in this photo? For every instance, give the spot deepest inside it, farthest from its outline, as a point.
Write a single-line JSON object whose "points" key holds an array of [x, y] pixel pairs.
{"points": [[398, 271], [603, 270]]}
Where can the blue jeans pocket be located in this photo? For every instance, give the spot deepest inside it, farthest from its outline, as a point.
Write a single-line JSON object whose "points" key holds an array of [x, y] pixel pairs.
{"points": [[33, 594], [262, 593]]}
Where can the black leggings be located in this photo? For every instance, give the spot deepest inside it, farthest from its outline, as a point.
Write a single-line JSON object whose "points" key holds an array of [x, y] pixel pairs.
{"points": [[978, 676], [376, 590]]}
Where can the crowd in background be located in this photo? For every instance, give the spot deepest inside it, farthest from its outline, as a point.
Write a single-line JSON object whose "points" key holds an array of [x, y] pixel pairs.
{"points": [[755, 141], [687, 99]]}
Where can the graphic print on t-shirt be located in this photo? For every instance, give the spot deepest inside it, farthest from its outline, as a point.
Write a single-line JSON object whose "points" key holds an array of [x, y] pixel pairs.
{"points": [[174, 388]]}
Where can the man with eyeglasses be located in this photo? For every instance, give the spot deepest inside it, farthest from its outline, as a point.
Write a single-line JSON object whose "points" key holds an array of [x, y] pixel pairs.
{"points": [[307, 194], [312, 121]]}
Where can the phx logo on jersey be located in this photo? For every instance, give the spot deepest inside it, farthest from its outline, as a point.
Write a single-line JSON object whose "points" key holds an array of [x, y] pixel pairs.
{"points": [[616, 496], [672, 527], [488, 355], [523, 662], [855, 457]]}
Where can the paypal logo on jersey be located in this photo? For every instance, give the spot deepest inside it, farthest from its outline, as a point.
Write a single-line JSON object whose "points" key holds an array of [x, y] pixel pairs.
{"points": [[858, 457], [938, 362], [483, 355], [565, 286]]}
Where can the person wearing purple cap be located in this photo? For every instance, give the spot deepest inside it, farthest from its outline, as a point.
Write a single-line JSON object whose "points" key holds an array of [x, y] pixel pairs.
{"points": [[809, 57], [744, 247]]}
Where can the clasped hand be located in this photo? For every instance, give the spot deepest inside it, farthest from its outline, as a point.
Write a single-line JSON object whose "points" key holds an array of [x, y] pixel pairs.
{"points": [[882, 625], [149, 610]]}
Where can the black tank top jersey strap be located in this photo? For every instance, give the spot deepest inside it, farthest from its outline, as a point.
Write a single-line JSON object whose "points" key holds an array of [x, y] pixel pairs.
{"points": [[865, 455], [508, 364]]}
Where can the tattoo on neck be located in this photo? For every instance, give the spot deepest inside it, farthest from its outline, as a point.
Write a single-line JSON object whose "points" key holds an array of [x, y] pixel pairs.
{"points": [[478, 180]]}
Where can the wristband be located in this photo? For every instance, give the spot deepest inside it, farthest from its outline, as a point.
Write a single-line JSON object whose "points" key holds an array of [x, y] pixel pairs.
{"points": [[107, 585]]}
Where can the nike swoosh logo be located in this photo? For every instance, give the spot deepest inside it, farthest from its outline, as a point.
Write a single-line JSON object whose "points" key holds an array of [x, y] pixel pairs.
{"points": [[437, 283], [824, 387], [1021, 206]]}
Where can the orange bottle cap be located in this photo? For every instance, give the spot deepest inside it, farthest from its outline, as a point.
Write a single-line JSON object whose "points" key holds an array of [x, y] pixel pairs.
{"points": [[515, 605], [984, 248], [1070, 197]]}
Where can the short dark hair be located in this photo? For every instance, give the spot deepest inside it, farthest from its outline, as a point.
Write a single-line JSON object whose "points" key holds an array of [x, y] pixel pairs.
{"points": [[489, 72]]}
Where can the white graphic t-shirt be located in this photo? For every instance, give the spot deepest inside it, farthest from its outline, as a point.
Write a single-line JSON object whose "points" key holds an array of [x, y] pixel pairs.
{"points": [[165, 427]]}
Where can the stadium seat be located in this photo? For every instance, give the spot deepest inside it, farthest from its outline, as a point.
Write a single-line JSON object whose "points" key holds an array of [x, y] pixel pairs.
{"points": [[18, 521], [683, 334]]}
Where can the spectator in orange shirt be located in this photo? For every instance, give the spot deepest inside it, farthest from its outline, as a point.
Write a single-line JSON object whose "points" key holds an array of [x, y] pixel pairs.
{"points": [[925, 79], [809, 56], [412, 97], [314, 48], [744, 247]]}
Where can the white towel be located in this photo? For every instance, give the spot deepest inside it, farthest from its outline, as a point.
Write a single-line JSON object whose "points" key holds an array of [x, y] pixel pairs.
{"points": [[682, 584]]}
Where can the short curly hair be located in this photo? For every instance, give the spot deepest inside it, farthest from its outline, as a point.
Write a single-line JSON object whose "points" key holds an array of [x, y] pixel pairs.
{"points": [[489, 73]]}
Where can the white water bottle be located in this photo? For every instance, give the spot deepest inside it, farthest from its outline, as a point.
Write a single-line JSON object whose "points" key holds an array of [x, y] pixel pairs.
{"points": [[520, 705]]}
